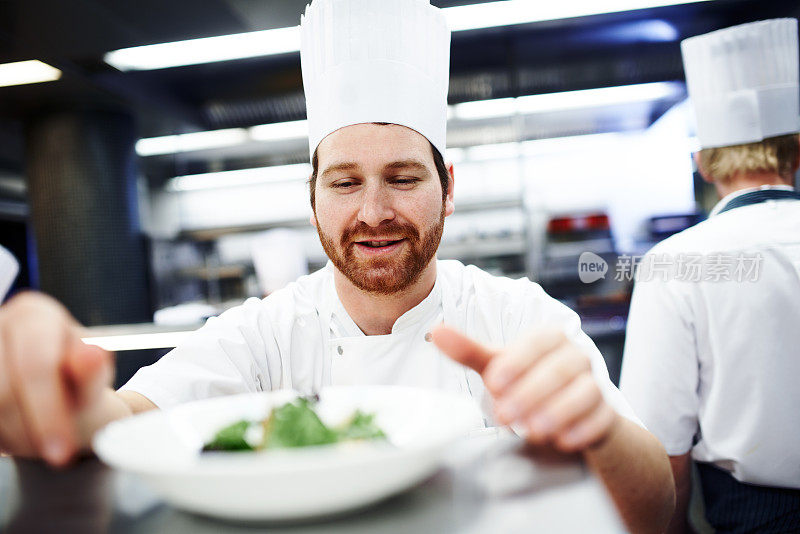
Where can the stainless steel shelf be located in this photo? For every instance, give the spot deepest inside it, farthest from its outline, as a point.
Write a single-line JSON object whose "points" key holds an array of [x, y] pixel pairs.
{"points": [[483, 248]]}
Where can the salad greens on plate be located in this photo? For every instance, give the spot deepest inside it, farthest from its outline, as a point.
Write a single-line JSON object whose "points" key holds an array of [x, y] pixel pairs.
{"points": [[294, 424]]}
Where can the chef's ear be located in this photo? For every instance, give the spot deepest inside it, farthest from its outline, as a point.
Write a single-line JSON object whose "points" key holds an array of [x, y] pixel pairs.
{"points": [[449, 205], [312, 183], [703, 173], [797, 156]]}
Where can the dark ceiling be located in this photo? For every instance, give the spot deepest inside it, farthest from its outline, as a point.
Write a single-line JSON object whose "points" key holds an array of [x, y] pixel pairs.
{"points": [[562, 55]]}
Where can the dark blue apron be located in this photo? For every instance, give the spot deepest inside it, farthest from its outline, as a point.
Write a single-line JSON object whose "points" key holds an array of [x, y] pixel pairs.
{"points": [[733, 506], [737, 507]]}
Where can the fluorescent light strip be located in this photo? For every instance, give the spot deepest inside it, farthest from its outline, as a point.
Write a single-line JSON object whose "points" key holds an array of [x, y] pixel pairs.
{"points": [[510, 12], [206, 50], [243, 177], [138, 341], [603, 96], [279, 131], [25, 72], [285, 40], [171, 144], [588, 98], [484, 109]]}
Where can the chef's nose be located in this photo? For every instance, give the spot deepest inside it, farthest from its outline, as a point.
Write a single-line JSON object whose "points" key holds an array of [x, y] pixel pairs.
{"points": [[376, 206]]}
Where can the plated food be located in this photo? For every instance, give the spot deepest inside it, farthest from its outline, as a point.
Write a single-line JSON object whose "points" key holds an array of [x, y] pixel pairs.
{"points": [[293, 424], [370, 442]]}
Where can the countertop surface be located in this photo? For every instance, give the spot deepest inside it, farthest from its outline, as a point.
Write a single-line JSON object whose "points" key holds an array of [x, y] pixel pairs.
{"points": [[486, 484]]}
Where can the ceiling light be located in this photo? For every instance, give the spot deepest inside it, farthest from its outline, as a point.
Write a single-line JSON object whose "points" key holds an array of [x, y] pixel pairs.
{"points": [[279, 131], [285, 40], [642, 30], [510, 12], [588, 98], [482, 109], [593, 98], [24, 72], [206, 50], [214, 180], [171, 144]]}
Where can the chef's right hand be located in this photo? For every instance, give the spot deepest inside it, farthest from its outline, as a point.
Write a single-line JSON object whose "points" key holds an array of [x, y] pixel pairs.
{"points": [[48, 376]]}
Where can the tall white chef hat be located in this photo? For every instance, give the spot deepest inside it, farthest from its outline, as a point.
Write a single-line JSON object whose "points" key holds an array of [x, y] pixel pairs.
{"points": [[743, 82], [375, 61]]}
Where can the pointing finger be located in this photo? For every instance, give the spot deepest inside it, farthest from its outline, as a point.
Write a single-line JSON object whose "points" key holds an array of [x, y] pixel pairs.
{"points": [[461, 348]]}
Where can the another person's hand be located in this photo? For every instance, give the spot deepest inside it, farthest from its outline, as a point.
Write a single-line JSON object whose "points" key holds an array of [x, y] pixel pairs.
{"points": [[48, 377], [543, 384]]}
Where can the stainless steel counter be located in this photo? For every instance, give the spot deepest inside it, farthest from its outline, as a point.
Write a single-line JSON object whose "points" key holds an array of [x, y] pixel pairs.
{"points": [[486, 485]]}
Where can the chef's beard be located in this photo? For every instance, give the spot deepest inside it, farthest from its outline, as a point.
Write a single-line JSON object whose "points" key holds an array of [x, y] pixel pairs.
{"points": [[384, 276]]}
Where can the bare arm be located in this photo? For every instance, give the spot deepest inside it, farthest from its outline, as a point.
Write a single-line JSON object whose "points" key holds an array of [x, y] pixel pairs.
{"points": [[682, 472], [633, 465]]}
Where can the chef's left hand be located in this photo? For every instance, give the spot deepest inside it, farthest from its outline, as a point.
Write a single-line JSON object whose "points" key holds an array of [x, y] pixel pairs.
{"points": [[542, 383]]}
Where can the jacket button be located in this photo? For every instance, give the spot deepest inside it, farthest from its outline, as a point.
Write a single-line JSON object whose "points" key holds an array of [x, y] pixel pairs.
{"points": [[428, 337], [340, 350]]}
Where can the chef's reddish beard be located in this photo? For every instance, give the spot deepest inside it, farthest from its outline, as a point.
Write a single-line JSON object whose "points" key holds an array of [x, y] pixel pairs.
{"points": [[384, 275]]}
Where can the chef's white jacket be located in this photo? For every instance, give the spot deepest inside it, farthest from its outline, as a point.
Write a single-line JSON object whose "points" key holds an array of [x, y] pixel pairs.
{"points": [[712, 366], [301, 337]]}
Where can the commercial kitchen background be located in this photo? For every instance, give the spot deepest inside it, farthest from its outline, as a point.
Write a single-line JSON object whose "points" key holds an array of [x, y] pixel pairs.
{"points": [[138, 186]]}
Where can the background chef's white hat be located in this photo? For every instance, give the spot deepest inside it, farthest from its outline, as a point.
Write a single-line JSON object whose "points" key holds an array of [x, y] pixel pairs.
{"points": [[375, 61], [8, 271], [743, 82]]}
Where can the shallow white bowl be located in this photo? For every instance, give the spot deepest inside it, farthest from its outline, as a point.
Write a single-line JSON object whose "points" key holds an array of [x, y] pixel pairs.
{"points": [[164, 447]]}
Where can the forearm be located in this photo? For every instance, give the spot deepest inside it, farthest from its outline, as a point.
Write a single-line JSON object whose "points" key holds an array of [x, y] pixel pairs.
{"points": [[636, 472], [682, 472]]}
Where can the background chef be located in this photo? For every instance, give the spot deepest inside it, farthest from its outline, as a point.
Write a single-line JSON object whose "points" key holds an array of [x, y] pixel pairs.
{"points": [[376, 78], [711, 363]]}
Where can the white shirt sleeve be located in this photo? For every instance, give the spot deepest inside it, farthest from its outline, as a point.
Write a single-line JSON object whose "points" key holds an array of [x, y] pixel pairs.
{"points": [[226, 356], [660, 373], [543, 310]]}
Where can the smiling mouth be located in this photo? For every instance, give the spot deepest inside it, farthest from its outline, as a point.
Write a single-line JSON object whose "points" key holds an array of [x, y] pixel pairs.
{"points": [[378, 244]]}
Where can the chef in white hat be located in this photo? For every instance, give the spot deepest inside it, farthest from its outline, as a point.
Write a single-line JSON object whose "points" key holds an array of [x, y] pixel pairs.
{"points": [[711, 356], [376, 78]]}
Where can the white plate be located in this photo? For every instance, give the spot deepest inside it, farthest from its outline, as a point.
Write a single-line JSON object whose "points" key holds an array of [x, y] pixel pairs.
{"points": [[164, 448]]}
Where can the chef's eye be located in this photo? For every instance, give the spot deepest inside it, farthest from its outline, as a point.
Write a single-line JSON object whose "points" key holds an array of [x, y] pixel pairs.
{"points": [[344, 184], [404, 180]]}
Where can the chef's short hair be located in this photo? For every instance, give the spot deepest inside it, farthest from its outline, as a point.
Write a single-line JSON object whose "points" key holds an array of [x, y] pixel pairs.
{"points": [[772, 155], [438, 161]]}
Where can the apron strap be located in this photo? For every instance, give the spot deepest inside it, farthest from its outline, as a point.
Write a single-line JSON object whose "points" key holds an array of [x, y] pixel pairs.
{"points": [[757, 197]]}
